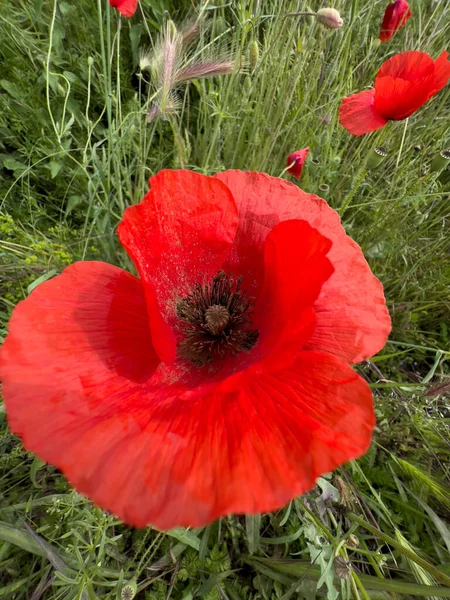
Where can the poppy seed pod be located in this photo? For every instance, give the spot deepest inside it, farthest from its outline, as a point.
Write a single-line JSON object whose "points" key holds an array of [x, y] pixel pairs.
{"points": [[324, 190], [376, 157], [129, 590], [329, 17], [440, 161]]}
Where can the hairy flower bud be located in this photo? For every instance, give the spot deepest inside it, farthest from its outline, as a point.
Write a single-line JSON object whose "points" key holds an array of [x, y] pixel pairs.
{"points": [[329, 17]]}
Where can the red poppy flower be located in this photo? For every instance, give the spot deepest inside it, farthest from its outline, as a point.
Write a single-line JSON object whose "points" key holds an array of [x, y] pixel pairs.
{"points": [[218, 382], [295, 162], [395, 16], [403, 84], [126, 7]]}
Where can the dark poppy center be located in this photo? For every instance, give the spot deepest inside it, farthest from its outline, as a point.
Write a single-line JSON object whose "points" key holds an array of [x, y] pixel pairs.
{"points": [[215, 319]]}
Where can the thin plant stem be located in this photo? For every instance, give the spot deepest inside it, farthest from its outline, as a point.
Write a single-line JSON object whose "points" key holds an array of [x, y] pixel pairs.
{"points": [[402, 144]]}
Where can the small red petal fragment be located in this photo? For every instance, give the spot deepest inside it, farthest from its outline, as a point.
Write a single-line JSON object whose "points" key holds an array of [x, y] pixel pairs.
{"points": [[359, 115], [295, 162], [126, 7], [441, 72]]}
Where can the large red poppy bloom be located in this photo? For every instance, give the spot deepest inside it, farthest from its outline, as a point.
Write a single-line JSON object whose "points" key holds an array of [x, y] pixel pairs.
{"points": [[126, 7], [218, 382], [395, 16], [402, 85]]}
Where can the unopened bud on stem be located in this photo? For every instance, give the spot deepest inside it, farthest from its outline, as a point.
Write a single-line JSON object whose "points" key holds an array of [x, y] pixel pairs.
{"points": [[329, 17]]}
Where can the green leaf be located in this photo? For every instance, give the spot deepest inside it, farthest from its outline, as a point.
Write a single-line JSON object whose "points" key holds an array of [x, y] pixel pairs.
{"points": [[12, 89], [40, 280], [72, 203], [14, 165], [55, 168], [35, 466], [208, 585], [252, 527], [297, 569], [186, 537]]}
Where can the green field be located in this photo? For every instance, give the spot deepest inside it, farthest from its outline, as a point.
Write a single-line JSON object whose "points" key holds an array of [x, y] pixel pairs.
{"points": [[76, 149]]}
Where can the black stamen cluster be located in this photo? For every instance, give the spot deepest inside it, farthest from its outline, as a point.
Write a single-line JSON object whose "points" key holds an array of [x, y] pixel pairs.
{"points": [[215, 319]]}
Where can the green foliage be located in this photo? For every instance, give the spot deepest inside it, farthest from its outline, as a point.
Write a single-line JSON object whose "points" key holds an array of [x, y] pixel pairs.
{"points": [[75, 150]]}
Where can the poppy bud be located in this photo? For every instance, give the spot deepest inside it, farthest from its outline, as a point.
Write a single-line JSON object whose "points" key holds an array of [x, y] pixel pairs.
{"points": [[90, 61], [395, 17], [376, 157], [440, 161], [329, 17]]}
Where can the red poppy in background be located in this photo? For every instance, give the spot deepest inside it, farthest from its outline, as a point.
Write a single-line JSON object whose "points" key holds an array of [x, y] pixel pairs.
{"points": [[219, 381], [395, 16], [295, 162], [403, 84], [126, 7]]}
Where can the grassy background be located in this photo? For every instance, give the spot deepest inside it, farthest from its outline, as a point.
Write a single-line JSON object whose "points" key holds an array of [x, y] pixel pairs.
{"points": [[75, 150]]}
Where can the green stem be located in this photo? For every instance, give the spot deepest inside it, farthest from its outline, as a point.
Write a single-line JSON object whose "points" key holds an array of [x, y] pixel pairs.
{"points": [[105, 81], [401, 144], [349, 197]]}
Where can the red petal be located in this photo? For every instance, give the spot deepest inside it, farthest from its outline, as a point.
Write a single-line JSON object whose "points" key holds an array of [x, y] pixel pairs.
{"points": [[395, 17], [126, 7], [358, 114], [407, 81], [248, 445], [74, 347], [398, 99], [179, 234], [441, 72], [296, 267], [297, 160], [353, 326], [407, 65]]}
